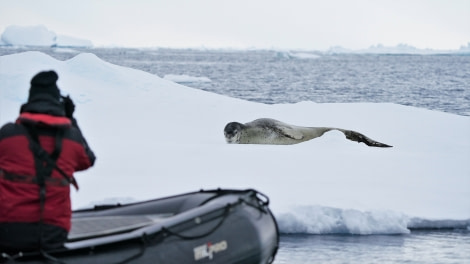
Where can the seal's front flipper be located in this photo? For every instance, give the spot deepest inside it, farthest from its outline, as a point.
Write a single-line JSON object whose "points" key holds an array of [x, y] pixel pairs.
{"points": [[290, 132]]}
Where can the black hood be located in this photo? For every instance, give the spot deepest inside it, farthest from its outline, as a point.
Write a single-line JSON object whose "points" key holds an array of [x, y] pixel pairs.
{"points": [[43, 104]]}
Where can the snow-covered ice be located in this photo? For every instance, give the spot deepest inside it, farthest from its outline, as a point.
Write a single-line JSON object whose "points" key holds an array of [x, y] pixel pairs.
{"points": [[155, 138]]}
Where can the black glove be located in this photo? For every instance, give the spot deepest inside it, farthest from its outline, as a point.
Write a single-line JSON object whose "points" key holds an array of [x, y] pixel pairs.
{"points": [[69, 106]]}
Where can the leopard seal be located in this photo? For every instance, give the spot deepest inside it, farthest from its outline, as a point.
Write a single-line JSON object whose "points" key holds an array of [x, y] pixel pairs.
{"points": [[274, 132]]}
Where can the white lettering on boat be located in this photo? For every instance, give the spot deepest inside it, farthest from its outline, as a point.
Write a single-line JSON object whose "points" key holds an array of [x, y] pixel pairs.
{"points": [[208, 250]]}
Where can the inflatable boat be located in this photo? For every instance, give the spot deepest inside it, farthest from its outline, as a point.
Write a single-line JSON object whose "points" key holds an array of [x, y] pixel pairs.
{"points": [[208, 226]]}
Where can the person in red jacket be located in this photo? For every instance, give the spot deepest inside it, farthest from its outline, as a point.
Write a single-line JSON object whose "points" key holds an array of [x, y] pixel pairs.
{"points": [[38, 155]]}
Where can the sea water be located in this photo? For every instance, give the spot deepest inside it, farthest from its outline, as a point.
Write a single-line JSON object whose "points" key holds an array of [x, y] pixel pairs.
{"points": [[451, 246], [438, 82]]}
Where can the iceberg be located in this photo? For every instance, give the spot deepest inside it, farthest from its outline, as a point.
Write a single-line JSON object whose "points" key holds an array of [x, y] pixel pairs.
{"points": [[398, 49], [39, 36], [184, 78]]}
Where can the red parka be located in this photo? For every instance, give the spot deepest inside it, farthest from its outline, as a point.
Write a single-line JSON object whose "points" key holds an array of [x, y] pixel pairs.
{"points": [[19, 193]]}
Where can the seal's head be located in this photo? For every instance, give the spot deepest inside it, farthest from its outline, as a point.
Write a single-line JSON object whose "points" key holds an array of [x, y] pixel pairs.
{"points": [[232, 132]]}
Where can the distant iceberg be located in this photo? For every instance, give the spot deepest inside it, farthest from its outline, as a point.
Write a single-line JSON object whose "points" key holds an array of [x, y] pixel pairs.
{"points": [[296, 55], [185, 78], [39, 36], [398, 49]]}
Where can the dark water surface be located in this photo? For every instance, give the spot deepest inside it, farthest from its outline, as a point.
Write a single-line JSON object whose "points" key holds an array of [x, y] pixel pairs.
{"points": [[452, 246]]}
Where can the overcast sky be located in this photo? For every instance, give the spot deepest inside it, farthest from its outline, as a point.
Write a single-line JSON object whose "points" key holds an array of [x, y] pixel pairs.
{"points": [[289, 24]]}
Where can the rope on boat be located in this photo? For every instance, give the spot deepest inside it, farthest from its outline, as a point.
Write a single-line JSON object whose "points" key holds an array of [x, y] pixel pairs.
{"points": [[145, 239], [262, 203], [224, 216]]}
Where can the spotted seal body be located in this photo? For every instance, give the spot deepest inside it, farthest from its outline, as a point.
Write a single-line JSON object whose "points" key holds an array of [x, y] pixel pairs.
{"points": [[274, 132]]}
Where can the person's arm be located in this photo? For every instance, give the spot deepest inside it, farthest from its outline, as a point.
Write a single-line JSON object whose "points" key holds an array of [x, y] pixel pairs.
{"points": [[69, 108]]}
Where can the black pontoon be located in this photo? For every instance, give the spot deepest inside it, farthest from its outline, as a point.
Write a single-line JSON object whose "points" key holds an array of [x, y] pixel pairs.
{"points": [[215, 226]]}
